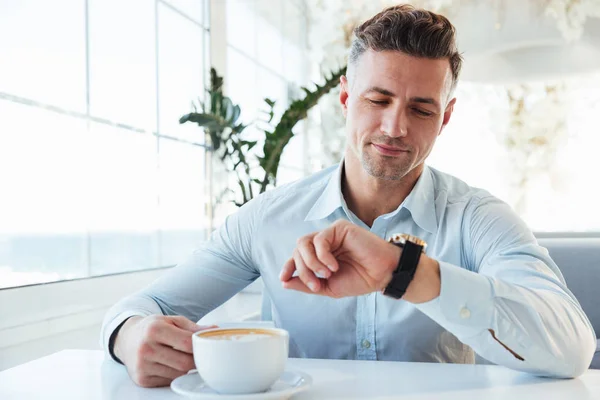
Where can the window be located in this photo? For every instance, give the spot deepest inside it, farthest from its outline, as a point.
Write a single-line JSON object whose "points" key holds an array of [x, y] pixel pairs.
{"points": [[266, 57], [97, 175]]}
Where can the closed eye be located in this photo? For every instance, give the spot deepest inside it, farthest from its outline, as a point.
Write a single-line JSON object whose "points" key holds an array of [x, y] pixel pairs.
{"points": [[378, 102], [422, 112]]}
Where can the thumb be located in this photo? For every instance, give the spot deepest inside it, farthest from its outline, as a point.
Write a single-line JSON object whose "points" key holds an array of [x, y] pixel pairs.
{"points": [[186, 324]]}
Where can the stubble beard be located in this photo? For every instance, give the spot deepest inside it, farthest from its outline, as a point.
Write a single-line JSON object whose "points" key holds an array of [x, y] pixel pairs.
{"points": [[385, 168]]}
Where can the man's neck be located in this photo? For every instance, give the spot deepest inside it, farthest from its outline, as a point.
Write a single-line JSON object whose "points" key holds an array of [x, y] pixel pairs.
{"points": [[368, 197]]}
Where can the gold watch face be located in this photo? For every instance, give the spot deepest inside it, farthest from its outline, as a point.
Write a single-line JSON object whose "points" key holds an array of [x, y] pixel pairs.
{"points": [[404, 237]]}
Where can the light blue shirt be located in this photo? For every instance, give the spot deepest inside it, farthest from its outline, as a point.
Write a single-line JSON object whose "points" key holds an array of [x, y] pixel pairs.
{"points": [[494, 276]]}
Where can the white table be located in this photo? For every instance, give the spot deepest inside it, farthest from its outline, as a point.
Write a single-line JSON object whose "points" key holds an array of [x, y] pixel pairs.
{"points": [[83, 374]]}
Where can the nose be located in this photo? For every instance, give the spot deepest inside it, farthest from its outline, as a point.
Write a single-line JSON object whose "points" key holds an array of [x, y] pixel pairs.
{"points": [[395, 123]]}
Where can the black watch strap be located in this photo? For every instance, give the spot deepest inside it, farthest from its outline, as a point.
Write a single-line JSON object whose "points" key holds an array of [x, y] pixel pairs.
{"points": [[405, 272]]}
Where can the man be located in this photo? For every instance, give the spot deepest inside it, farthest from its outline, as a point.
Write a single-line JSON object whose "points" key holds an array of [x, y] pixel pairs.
{"points": [[481, 284]]}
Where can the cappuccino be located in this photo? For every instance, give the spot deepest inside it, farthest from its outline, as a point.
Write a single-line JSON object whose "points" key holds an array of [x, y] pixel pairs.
{"points": [[241, 334], [240, 360]]}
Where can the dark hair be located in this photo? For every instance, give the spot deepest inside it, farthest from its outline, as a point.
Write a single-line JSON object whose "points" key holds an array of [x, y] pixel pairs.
{"points": [[415, 32]]}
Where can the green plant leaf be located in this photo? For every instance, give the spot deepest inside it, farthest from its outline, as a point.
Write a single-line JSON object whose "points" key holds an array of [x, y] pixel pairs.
{"points": [[215, 139], [208, 120], [250, 144], [226, 108], [235, 115], [238, 128], [219, 118], [276, 141], [216, 82]]}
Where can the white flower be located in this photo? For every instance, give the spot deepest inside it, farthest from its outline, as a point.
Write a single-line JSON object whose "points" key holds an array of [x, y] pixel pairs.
{"points": [[571, 15]]}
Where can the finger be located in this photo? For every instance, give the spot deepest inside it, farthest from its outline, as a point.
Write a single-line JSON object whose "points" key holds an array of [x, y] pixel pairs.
{"points": [[288, 270], [184, 323], [297, 284], [309, 256], [171, 358], [163, 371], [179, 335], [177, 338], [323, 248], [153, 381], [306, 275]]}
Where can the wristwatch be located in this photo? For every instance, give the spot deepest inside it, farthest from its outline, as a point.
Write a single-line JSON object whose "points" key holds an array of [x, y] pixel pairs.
{"points": [[412, 247]]}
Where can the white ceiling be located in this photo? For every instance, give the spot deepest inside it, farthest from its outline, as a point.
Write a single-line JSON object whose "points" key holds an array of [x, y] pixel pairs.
{"points": [[521, 44]]}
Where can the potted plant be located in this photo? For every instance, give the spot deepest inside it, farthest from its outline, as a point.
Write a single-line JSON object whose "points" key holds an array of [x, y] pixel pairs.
{"points": [[219, 117]]}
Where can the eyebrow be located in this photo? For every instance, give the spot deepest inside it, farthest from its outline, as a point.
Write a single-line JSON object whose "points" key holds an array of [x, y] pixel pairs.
{"points": [[385, 92], [382, 91]]}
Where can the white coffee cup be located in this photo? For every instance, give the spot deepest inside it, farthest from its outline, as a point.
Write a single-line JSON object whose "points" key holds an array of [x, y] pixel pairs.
{"points": [[240, 360]]}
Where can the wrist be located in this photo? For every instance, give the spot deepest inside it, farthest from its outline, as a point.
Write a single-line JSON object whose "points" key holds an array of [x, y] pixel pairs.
{"points": [[426, 283], [120, 342], [393, 258]]}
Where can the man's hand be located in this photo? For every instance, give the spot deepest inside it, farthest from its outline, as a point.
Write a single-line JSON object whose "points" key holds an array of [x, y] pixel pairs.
{"points": [[156, 349], [351, 261]]}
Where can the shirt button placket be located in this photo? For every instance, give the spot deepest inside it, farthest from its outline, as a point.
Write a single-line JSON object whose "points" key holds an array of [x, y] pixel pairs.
{"points": [[366, 348], [365, 334]]}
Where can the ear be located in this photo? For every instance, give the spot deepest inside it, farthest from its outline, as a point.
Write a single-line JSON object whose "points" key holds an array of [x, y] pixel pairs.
{"points": [[344, 92], [448, 113]]}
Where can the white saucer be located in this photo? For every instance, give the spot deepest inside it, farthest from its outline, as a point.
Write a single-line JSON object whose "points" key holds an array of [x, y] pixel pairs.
{"points": [[289, 383]]}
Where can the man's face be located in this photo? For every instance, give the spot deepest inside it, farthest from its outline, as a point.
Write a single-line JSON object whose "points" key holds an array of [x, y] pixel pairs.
{"points": [[395, 106]]}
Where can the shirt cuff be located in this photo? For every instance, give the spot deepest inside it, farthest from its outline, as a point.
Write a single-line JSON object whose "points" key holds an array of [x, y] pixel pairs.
{"points": [[465, 304]]}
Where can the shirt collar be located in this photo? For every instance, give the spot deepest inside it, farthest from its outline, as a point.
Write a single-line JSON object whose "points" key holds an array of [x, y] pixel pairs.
{"points": [[420, 202], [331, 199]]}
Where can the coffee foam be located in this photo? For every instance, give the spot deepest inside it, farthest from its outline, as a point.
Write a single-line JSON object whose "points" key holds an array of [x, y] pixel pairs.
{"points": [[238, 335], [242, 338]]}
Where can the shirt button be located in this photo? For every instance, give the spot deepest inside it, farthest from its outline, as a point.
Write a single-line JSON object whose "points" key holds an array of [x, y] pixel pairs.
{"points": [[465, 313], [366, 344]]}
